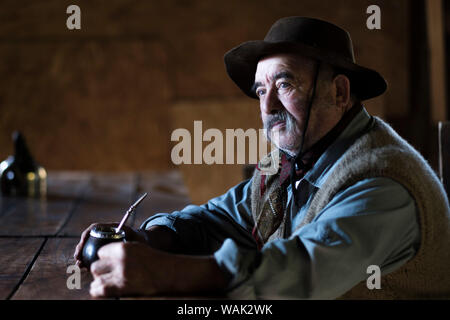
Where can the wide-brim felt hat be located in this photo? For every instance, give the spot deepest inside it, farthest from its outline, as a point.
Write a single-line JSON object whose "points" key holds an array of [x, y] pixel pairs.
{"points": [[309, 37]]}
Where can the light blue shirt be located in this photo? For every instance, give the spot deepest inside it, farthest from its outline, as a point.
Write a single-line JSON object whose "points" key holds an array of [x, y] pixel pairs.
{"points": [[373, 222]]}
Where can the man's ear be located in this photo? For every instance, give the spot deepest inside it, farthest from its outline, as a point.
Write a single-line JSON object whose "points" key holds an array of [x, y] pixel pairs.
{"points": [[342, 86]]}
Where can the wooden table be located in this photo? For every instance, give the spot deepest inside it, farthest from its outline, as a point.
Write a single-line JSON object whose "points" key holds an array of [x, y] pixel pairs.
{"points": [[38, 236]]}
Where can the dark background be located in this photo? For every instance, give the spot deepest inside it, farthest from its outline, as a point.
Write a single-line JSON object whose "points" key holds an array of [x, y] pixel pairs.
{"points": [[108, 96]]}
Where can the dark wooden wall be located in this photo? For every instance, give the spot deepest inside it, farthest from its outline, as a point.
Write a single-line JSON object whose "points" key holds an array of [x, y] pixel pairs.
{"points": [[108, 96]]}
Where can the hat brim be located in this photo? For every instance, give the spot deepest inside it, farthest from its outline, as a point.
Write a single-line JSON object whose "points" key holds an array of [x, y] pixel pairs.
{"points": [[241, 63]]}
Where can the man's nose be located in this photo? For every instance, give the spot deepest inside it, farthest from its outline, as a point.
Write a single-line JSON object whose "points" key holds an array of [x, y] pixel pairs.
{"points": [[271, 104]]}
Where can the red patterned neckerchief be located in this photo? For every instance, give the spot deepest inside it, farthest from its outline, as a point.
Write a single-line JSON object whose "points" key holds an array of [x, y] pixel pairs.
{"points": [[303, 164]]}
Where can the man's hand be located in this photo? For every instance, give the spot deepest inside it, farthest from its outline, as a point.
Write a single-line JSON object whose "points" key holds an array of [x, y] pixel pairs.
{"points": [[144, 266], [158, 237], [138, 269], [130, 235], [125, 269]]}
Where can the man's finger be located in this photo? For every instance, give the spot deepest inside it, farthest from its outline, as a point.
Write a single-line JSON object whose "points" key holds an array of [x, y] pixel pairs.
{"points": [[111, 250], [102, 266], [78, 250], [96, 289], [104, 286]]}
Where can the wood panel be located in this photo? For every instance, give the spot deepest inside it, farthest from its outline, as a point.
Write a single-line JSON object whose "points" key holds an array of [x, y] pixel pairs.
{"points": [[444, 155], [17, 254], [206, 181], [48, 277], [6, 204], [74, 201], [106, 199], [170, 182], [91, 212], [166, 193], [102, 92], [35, 217], [436, 43], [103, 104], [46, 215], [109, 196], [111, 187], [66, 185]]}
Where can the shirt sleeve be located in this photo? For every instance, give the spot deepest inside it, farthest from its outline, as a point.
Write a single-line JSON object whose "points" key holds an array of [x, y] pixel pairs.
{"points": [[373, 222], [204, 228]]}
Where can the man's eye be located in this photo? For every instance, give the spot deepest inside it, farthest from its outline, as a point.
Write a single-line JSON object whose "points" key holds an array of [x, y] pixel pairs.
{"points": [[284, 85], [260, 92]]}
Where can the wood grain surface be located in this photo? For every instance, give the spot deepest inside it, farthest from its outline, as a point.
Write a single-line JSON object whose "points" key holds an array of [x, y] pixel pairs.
{"points": [[39, 235], [16, 255], [48, 277], [106, 199], [35, 217]]}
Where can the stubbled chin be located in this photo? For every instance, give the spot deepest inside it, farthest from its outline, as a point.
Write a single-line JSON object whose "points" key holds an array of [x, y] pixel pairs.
{"points": [[285, 144]]}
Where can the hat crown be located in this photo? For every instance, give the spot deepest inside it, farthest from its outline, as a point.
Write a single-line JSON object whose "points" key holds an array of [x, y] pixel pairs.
{"points": [[311, 38], [319, 34]]}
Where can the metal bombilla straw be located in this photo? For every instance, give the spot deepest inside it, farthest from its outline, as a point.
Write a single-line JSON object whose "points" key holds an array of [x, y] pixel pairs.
{"points": [[129, 212]]}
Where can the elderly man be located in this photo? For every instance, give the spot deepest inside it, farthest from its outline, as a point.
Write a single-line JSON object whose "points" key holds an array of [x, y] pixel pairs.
{"points": [[349, 193]]}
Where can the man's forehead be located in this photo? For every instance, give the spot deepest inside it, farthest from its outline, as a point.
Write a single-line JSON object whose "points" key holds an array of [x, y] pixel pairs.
{"points": [[291, 63]]}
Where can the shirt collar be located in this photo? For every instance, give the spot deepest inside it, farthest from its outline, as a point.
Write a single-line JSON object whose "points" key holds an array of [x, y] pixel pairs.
{"points": [[322, 168]]}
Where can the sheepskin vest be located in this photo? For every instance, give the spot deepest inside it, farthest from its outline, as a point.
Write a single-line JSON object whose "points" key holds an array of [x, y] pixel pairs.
{"points": [[380, 152]]}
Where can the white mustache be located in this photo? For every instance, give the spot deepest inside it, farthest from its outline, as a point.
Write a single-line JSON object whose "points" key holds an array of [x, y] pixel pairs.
{"points": [[282, 116]]}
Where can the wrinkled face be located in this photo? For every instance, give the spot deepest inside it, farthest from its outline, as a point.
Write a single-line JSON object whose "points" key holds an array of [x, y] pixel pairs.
{"points": [[283, 83]]}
